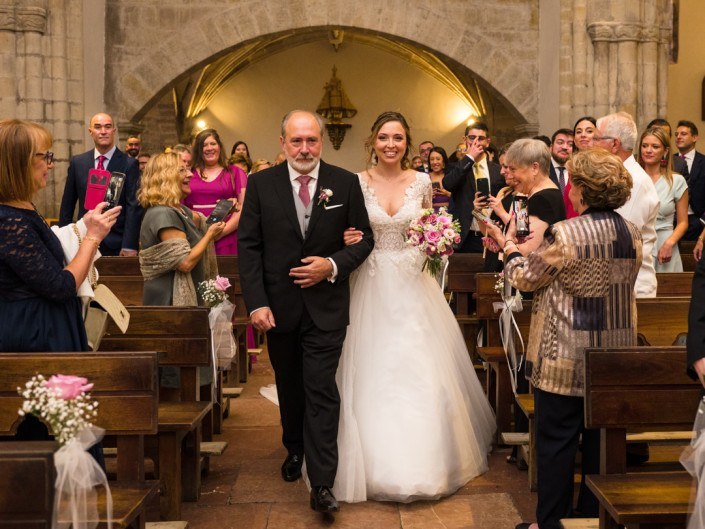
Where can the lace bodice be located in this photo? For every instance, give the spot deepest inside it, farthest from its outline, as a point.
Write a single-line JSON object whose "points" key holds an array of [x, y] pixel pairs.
{"points": [[389, 231]]}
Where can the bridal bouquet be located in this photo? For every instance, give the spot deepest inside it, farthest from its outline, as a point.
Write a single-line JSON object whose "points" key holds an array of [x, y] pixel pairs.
{"points": [[213, 292], [435, 235], [63, 402]]}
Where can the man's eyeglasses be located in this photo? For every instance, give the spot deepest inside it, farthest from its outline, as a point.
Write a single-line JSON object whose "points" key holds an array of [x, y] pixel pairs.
{"points": [[603, 138], [473, 138], [48, 156]]}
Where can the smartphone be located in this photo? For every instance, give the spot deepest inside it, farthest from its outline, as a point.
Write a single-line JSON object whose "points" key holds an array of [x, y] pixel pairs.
{"points": [[221, 210], [96, 187], [114, 189], [483, 186], [436, 185], [481, 217]]}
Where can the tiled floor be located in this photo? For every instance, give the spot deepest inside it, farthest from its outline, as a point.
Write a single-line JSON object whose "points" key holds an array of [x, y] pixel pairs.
{"points": [[245, 491]]}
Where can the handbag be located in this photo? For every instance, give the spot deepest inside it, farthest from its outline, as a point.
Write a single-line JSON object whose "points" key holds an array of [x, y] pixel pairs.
{"points": [[104, 304]]}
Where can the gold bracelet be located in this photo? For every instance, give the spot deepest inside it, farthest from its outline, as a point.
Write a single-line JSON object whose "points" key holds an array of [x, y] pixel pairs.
{"points": [[507, 242], [93, 240]]}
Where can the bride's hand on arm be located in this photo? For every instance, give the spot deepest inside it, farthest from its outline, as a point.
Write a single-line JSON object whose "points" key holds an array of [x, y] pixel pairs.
{"points": [[352, 236]]}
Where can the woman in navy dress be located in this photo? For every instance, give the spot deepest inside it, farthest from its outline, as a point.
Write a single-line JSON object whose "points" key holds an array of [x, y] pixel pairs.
{"points": [[39, 307]]}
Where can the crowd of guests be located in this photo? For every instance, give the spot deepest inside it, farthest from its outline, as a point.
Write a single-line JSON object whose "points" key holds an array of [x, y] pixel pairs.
{"points": [[594, 190]]}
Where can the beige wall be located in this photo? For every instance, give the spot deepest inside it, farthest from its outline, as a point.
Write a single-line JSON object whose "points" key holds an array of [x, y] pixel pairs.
{"points": [[685, 78], [250, 107]]}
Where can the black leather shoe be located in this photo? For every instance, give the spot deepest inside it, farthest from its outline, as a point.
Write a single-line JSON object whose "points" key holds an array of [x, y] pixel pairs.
{"points": [[291, 469], [322, 500]]}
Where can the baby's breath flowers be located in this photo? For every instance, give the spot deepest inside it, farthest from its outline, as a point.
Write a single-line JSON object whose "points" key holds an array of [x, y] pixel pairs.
{"points": [[63, 402], [213, 291]]}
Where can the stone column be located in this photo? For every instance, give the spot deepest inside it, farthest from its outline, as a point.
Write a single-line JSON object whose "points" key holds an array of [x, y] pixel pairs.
{"points": [[8, 64], [32, 23], [601, 36]]}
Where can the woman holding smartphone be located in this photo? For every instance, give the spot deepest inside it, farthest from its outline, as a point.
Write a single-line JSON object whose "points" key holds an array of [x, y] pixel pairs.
{"points": [[438, 162]]}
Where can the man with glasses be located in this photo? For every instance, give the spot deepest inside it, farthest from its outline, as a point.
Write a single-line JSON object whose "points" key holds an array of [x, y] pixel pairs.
{"points": [[124, 235], [618, 133], [425, 151], [461, 182]]}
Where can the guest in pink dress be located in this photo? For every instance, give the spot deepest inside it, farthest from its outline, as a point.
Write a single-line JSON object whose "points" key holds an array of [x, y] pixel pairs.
{"points": [[213, 180]]}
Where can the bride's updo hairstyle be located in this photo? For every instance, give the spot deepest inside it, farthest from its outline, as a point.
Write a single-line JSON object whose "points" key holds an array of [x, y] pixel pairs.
{"points": [[386, 117]]}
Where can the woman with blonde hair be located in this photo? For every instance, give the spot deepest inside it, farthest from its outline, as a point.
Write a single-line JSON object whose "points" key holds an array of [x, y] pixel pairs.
{"points": [[672, 189], [582, 275], [39, 306], [173, 238]]}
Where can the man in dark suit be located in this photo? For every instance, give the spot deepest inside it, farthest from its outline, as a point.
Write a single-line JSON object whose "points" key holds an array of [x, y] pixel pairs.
{"points": [[123, 238], [686, 137], [460, 181], [695, 342], [294, 270]]}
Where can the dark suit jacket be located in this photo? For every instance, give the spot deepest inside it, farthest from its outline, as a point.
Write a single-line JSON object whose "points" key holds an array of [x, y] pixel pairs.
{"points": [[695, 342], [553, 175], [126, 231], [460, 181], [680, 166], [696, 189], [270, 244]]}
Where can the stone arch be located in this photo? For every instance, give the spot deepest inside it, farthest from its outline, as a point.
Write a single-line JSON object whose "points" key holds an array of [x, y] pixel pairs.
{"points": [[500, 50]]}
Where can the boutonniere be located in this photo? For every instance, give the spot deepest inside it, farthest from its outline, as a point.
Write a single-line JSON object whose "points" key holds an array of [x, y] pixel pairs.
{"points": [[324, 196]]}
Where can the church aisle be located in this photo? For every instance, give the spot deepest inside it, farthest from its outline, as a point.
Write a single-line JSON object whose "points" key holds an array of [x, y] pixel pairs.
{"points": [[244, 489]]}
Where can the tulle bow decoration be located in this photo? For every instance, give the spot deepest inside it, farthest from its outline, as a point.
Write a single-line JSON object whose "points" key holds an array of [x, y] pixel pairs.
{"points": [[507, 327], [77, 477], [693, 459]]}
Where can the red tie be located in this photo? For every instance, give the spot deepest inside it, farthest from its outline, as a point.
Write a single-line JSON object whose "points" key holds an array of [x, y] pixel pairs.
{"points": [[101, 161], [304, 195]]}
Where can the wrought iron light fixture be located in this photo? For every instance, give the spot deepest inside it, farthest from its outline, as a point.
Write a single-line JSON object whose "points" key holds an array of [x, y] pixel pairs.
{"points": [[335, 107]]}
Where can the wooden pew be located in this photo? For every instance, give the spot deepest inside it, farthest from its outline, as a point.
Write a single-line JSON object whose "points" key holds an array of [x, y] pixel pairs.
{"points": [[686, 250], [674, 284], [125, 386], [27, 477], [122, 275], [462, 269], [182, 337], [638, 388]]}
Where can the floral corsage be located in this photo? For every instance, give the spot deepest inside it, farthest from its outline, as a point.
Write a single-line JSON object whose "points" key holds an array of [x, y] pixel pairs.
{"points": [[324, 196]]}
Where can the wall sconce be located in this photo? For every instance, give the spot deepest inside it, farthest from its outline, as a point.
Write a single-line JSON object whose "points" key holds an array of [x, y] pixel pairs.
{"points": [[335, 106]]}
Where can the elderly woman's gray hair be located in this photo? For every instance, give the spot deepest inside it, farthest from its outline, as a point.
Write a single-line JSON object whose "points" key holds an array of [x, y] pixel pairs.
{"points": [[526, 152], [601, 177]]}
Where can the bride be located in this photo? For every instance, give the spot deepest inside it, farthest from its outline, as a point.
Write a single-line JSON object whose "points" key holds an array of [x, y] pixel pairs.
{"points": [[414, 423]]}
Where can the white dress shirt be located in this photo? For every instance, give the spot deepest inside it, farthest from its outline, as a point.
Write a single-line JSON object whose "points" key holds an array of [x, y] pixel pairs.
{"points": [[641, 209], [108, 156]]}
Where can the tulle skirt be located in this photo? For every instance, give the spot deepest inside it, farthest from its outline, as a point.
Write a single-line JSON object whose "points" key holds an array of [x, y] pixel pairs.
{"points": [[415, 422]]}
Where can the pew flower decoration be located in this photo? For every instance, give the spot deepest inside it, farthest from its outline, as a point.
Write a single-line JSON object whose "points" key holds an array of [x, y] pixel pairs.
{"points": [[213, 291], [62, 401], [499, 285], [435, 235]]}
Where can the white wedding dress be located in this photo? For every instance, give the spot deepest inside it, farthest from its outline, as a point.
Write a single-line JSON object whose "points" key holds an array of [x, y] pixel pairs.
{"points": [[414, 420]]}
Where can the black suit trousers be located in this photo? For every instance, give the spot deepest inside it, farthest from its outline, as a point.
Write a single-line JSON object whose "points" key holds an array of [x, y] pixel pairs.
{"points": [[559, 423], [305, 362]]}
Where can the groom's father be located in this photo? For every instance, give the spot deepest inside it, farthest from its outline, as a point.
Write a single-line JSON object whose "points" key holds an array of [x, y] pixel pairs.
{"points": [[294, 269]]}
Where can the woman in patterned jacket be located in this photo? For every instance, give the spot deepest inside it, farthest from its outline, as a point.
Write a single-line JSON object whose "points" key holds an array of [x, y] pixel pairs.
{"points": [[583, 276]]}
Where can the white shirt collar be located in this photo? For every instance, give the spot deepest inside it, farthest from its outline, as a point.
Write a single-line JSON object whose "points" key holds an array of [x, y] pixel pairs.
{"points": [[690, 155], [108, 155]]}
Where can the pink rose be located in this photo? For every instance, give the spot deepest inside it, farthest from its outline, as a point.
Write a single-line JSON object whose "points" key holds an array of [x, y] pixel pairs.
{"points": [[457, 239], [449, 234], [222, 283], [68, 387], [445, 221], [432, 218], [430, 250], [433, 236], [415, 239]]}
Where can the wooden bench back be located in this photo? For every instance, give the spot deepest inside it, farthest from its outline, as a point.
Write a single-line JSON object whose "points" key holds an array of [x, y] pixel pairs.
{"points": [[27, 477], [686, 250], [637, 388], [125, 386], [674, 284], [462, 270]]}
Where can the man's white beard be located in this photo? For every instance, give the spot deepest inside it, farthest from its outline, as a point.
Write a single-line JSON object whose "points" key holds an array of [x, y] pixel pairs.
{"points": [[303, 166]]}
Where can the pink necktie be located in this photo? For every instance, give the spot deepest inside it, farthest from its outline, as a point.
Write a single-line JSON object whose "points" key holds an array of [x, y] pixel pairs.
{"points": [[304, 195], [101, 161]]}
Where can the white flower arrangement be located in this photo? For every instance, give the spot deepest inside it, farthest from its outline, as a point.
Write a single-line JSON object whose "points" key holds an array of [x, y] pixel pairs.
{"points": [[63, 402], [213, 291]]}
